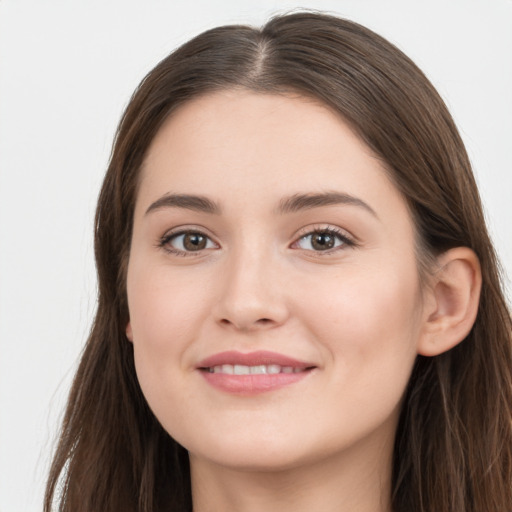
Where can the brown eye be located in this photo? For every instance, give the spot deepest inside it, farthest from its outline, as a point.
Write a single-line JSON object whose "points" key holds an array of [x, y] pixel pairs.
{"points": [[186, 242], [194, 241], [323, 240]]}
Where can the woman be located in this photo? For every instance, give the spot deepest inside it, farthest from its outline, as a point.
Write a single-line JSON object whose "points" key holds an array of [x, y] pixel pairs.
{"points": [[299, 304]]}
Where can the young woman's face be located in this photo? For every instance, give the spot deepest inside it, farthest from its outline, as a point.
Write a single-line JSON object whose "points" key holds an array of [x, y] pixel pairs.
{"points": [[275, 305]]}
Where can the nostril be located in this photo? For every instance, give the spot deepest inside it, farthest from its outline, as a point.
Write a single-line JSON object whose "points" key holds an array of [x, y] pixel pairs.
{"points": [[243, 326]]}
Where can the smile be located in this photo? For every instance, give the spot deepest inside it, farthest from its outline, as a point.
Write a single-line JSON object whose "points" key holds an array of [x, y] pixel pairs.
{"points": [[262, 369], [252, 373]]}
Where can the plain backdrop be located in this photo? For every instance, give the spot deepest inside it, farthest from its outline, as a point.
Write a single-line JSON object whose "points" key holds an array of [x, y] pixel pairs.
{"points": [[67, 69]]}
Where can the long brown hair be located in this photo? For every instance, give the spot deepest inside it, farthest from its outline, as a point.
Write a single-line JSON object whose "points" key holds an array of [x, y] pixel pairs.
{"points": [[453, 449]]}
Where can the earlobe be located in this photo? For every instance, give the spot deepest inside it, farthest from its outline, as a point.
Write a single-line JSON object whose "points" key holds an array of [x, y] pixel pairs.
{"points": [[129, 332], [452, 303]]}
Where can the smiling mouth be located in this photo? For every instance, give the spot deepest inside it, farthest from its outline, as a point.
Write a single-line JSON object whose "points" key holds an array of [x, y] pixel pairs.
{"points": [[253, 373], [262, 369]]}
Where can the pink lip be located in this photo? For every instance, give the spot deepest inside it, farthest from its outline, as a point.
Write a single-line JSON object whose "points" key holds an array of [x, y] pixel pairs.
{"points": [[251, 359], [255, 383]]}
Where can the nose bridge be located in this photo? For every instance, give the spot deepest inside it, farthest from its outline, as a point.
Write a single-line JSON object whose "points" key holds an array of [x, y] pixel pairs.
{"points": [[251, 296]]}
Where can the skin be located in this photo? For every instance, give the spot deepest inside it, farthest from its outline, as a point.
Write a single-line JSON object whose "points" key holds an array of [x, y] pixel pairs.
{"points": [[357, 312]]}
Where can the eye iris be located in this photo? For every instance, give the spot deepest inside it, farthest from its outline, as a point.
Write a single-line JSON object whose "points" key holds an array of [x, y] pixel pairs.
{"points": [[194, 242], [322, 241]]}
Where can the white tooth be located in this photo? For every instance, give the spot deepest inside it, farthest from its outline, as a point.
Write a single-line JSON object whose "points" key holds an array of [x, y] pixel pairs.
{"points": [[297, 370], [287, 369], [227, 368], [240, 369], [273, 368], [217, 369], [258, 370]]}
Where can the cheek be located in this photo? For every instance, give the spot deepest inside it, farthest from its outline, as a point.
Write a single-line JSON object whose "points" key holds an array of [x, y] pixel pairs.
{"points": [[162, 306], [369, 319], [165, 315], [370, 330]]}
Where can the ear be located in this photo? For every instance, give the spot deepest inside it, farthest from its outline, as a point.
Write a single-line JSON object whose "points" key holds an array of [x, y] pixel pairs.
{"points": [[129, 332], [452, 301]]}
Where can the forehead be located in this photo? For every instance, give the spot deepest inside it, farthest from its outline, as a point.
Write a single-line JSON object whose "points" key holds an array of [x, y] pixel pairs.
{"points": [[249, 145]]}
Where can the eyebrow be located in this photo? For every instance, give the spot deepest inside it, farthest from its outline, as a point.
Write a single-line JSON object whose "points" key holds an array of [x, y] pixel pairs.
{"points": [[186, 201], [299, 202], [292, 204]]}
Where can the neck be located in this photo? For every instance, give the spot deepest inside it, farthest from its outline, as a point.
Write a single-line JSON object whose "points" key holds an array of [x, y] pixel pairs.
{"points": [[340, 483]]}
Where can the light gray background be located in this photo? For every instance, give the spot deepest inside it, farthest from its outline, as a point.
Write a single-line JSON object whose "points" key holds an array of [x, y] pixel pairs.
{"points": [[67, 69]]}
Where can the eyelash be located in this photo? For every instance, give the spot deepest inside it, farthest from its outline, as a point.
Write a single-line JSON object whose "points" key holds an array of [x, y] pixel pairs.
{"points": [[164, 242], [337, 233], [346, 240]]}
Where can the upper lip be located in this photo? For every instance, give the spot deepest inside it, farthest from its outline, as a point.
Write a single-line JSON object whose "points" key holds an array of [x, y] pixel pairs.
{"points": [[261, 357]]}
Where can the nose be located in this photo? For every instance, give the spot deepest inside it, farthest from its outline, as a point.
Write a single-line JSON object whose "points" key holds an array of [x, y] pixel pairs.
{"points": [[252, 295]]}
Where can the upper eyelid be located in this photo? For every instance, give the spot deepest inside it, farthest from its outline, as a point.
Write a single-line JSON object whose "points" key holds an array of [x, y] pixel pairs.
{"points": [[185, 228], [305, 230], [315, 228]]}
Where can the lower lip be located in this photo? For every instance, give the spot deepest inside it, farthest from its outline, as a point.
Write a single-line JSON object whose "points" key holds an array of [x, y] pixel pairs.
{"points": [[252, 384]]}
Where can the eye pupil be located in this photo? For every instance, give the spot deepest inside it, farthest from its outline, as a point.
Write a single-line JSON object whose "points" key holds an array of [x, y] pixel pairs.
{"points": [[194, 241], [322, 241]]}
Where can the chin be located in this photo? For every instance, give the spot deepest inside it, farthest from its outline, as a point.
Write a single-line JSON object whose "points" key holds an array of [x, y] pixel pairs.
{"points": [[253, 460], [255, 452]]}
